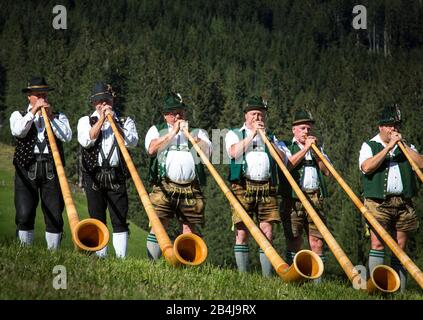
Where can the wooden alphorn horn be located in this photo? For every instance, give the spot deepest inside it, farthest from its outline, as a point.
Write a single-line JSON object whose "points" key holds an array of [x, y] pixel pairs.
{"points": [[415, 167], [188, 248], [306, 264], [333, 245], [88, 234], [383, 279]]}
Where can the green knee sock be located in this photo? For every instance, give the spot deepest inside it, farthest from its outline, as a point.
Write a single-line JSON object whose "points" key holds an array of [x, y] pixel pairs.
{"points": [[153, 249], [323, 257], [241, 256], [399, 268], [266, 266], [376, 258]]}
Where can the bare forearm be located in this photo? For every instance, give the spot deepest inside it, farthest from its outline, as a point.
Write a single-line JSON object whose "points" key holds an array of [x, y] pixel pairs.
{"points": [[323, 168], [297, 158], [371, 164], [239, 148], [416, 157], [159, 144], [95, 130]]}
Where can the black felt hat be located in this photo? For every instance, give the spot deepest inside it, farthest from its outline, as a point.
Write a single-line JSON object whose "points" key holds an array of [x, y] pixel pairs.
{"points": [[102, 91], [37, 84]]}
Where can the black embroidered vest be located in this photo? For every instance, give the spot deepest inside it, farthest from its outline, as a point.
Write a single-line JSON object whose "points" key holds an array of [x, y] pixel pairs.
{"points": [[90, 155], [24, 153]]}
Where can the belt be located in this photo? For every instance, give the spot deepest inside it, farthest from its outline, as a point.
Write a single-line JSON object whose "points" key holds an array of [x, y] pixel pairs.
{"points": [[182, 183], [401, 195], [310, 191], [42, 157], [256, 182]]}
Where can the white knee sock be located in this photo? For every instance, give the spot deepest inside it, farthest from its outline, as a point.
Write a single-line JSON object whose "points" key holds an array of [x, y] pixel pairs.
{"points": [[26, 237], [102, 253], [53, 240], [120, 241]]}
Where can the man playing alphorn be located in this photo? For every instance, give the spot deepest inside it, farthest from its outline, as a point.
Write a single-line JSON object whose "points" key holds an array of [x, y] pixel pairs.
{"points": [[103, 166], [308, 171], [389, 184], [176, 171], [36, 175], [253, 178]]}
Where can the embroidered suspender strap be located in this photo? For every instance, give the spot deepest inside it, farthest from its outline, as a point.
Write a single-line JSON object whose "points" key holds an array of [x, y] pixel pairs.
{"points": [[41, 145], [106, 161]]}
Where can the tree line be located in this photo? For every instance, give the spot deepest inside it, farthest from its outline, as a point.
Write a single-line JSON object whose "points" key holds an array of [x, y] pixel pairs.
{"points": [[296, 54]]}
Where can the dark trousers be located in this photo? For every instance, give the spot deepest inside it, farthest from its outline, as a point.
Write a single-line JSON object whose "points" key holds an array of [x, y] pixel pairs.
{"points": [[99, 199], [39, 181]]}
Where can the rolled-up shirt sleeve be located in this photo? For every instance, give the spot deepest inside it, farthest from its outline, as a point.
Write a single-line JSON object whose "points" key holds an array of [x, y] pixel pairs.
{"points": [[230, 139], [152, 134], [19, 125], [61, 128], [365, 153], [130, 133], [282, 147], [203, 135], [83, 129], [325, 155]]}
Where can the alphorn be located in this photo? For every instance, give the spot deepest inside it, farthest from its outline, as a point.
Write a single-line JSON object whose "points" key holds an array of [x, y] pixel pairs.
{"points": [[381, 279], [345, 263], [413, 164], [188, 248], [88, 234], [306, 264]]}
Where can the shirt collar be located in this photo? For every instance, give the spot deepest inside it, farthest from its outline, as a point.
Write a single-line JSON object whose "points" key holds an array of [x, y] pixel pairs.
{"points": [[294, 140], [378, 139], [95, 114]]}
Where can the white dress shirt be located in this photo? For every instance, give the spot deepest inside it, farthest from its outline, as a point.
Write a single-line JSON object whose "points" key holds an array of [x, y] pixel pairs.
{"points": [[258, 164], [394, 184], [310, 180], [20, 125], [129, 131], [180, 165]]}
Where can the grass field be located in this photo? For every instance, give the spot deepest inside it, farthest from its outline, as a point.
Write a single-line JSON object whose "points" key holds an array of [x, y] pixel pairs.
{"points": [[27, 273]]}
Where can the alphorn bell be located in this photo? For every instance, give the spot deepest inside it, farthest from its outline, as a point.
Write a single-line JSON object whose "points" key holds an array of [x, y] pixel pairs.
{"points": [[88, 234], [387, 281], [333, 245], [306, 264], [382, 277], [188, 248], [413, 164]]}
